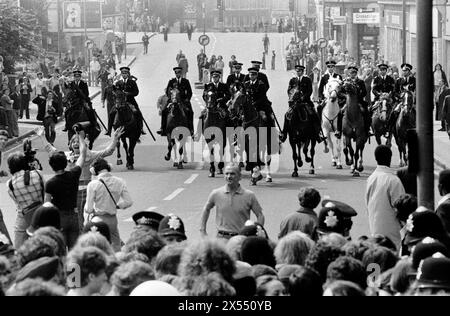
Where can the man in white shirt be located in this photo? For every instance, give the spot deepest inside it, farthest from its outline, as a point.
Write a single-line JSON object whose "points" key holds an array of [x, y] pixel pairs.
{"points": [[39, 84], [95, 69], [383, 189], [105, 196]]}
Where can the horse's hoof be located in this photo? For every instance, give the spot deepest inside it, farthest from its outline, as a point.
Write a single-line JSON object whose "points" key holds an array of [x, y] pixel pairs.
{"points": [[361, 168], [339, 167], [167, 157], [334, 164], [175, 164], [180, 166], [295, 174], [308, 160], [300, 163], [119, 162], [130, 167], [220, 172], [356, 174], [326, 150], [312, 172], [269, 180], [349, 162], [402, 164], [212, 175]]}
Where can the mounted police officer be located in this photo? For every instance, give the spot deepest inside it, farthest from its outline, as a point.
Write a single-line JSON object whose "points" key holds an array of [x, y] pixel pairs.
{"points": [[184, 86], [219, 88], [304, 84], [362, 93], [329, 74], [237, 78], [383, 83], [261, 76], [257, 89], [131, 90]]}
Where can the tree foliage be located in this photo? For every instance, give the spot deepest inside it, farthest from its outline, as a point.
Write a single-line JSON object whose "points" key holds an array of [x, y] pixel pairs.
{"points": [[19, 35]]}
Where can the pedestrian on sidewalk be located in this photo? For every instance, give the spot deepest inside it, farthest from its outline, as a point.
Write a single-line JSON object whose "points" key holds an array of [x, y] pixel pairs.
{"points": [[202, 59], [7, 104], [62, 191], [233, 204], [383, 189], [274, 56], [145, 42], [105, 196], [15, 97], [25, 97], [442, 92], [95, 70], [446, 114], [26, 189]]}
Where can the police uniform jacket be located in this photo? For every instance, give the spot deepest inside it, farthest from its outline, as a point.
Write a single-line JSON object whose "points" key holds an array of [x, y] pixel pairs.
{"points": [[83, 88], [362, 91], [183, 85], [222, 92], [232, 79], [131, 89], [405, 84], [324, 81], [305, 86], [262, 77], [381, 85], [257, 93]]}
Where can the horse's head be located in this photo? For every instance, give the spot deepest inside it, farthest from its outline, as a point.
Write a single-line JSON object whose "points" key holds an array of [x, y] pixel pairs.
{"points": [[175, 95], [120, 98], [211, 100], [350, 87], [295, 95], [333, 89], [408, 98]]}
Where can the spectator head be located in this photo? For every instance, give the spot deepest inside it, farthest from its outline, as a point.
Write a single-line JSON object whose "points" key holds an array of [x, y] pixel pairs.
{"points": [[17, 162], [45, 268], [206, 256], [347, 269], [253, 229], [285, 272], [243, 281], [305, 282], [424, 223], [257, 250], [233, 174], [376, 261], [36, 287], [129, 275], [356, 249], [293, 248], [383, 155], [211, 285], [405, 205], [90, 266], [58, 161], [261, 269], [168, 259], [3, 138], [334, 239], [98, 226], [402, 277], [234, 247], [45, 216], [96, 240], [343, 288], [426, 249], [146, 242], [171, 229], [123, 257], [269, 285], [433, 277], [320, 258], [309, 198], [383, 241], [35, 248], [444, 182], [100, 165], [155, 288], [56, 236]]}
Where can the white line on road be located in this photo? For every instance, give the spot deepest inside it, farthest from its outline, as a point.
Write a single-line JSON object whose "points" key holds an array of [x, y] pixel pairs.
{"points": [[191, 179], [174, 194]]}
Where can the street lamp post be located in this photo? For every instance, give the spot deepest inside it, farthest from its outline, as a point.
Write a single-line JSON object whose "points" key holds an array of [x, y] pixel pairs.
{"points": [[87, 55], [404, 32]]}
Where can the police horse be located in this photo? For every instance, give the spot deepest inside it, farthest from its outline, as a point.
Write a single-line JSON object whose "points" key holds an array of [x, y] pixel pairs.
{"points": [[406, 121], [380, 118], [353, 129], [177, 128], [125, 117], [300, 129], [330, 115]]}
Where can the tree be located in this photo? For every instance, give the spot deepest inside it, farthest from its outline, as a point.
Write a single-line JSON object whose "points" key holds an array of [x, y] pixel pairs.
{"points": [[19, 35]]}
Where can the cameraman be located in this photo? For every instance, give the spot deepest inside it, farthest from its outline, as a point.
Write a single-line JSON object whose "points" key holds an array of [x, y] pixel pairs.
{"points": [[26, 189]]}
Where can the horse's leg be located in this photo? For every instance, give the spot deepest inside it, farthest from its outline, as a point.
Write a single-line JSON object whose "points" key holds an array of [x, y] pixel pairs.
{"points": [[361, 155], [169, 148], [401, 152], [127, 151], [181, 153], [313, 154], [119, 155], [339, 144], [294, 157], [131, 149], [212, 168], [269, 178], [299, 154]]}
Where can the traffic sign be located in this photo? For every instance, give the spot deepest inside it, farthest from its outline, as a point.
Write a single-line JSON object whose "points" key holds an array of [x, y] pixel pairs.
{"points": [[204, 40], [323, 43]]}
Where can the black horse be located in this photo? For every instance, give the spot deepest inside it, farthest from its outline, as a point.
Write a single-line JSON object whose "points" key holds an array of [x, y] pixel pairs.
{"points": [[300, 129], [124, 115], [80, 116]]}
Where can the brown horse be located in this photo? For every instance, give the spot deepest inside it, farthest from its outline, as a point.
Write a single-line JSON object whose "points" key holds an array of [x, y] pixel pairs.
{"points": [[380, 119], [354, 130], [406, 121]]}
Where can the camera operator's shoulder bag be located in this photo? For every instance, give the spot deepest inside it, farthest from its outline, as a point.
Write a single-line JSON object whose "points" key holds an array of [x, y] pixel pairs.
{"points": [[33, 207]]}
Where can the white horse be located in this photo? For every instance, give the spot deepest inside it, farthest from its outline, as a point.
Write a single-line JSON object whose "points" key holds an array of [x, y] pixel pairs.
{"points": [[330, 121]]}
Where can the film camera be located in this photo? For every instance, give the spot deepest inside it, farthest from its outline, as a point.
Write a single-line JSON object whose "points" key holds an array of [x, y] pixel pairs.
{"points": [[30, 155]]}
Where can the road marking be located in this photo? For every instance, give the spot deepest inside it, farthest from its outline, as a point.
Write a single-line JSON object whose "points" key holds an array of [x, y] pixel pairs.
{"points": [[191, 179], [174, 194]]}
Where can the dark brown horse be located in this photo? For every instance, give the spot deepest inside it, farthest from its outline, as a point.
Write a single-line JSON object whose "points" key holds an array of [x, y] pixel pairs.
{"points": [[301, 132], [381, 112], [354, 130], [406, 121]]}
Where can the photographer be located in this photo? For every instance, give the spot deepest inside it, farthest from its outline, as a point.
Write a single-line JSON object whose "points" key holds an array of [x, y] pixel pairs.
{"points": [[26, 188]]}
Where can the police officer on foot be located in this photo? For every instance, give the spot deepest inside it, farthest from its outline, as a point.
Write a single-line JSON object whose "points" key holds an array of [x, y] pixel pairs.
{"points": [[184, 86], [304, 84]]}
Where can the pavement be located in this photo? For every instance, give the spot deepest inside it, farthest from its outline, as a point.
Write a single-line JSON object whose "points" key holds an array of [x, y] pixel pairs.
{"points": [[156, 185]]}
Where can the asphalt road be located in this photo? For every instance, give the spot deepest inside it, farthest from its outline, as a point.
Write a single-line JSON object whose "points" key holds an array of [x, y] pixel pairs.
{"points": [[156, 185]]}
